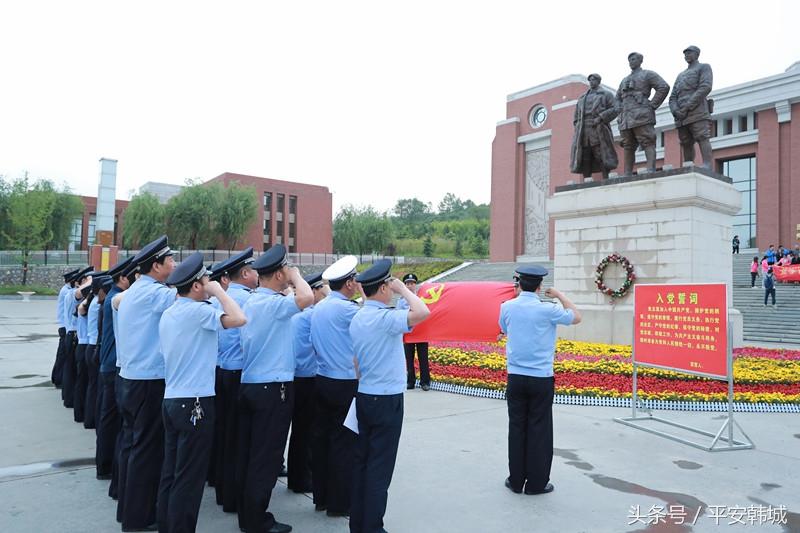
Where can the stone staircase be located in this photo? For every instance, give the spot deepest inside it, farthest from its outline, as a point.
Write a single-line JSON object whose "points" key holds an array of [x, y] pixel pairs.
{"points": [[765, 323], [760, 323]]}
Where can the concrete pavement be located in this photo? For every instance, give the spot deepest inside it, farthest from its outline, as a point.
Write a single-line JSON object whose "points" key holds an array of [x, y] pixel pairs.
{"points": [[450, 469]]}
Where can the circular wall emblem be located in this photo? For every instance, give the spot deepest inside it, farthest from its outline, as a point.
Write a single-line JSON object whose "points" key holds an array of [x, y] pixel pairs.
{"points": [[538, 116]]}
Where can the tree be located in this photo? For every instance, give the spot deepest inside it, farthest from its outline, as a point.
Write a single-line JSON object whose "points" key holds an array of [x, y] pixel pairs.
{"points": [[360, 230], [144, 220], [66, 208], [451, 207], [459, 247], [28, 209], [427, 246], [238, 211], [192, 213], [478, 246], [411, 217]]}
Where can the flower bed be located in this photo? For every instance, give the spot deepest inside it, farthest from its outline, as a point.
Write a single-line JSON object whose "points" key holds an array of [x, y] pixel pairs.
{"points": [[604, 371]]}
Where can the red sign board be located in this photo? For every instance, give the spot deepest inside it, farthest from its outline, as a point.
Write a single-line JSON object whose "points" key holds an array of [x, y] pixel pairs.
{"points": [[682, 327]]}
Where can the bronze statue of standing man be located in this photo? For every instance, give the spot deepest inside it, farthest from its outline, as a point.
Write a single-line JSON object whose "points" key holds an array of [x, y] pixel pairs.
{"points": [[637, 115], [593, 142], [690, 106]]}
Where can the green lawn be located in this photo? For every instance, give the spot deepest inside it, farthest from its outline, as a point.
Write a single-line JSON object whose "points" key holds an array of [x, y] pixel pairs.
{"points": [[38, 289], [442, 247]]}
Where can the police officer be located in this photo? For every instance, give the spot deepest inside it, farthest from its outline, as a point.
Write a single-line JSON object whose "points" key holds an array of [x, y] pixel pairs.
{"points": [[377, 332], [237, 277], [81, 367], [108, 419], [530, 325], [58, 365], [188, 339], [421, 348], [689, 105], [266, 393], [142, 385], [101, 284], [334, 388], [81, 282], [299, 472]]}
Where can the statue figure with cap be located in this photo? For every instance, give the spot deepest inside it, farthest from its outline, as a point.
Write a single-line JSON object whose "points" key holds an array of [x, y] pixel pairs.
{"points": [[691, 107], [637, 112], [593, 142]]}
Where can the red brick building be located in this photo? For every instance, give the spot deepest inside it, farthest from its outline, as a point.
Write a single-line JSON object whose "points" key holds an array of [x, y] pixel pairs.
{"points": [[297, 215], [756, 128]]}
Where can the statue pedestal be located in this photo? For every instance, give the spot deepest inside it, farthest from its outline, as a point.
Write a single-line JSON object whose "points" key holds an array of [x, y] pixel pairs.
{"points": [[674, 226]]}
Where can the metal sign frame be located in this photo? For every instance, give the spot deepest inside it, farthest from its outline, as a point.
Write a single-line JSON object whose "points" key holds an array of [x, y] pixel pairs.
{"points": [[720, 440]]}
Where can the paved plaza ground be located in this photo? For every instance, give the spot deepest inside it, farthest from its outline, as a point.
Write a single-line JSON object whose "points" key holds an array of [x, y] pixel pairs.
{"points": [[450, 469]]}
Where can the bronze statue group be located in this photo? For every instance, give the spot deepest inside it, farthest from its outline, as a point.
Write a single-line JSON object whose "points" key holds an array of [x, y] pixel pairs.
{"points": [[634, 105]]}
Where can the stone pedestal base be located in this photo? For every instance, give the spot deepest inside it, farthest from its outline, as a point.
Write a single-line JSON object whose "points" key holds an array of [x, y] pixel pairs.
{"points": [[674, 227]]}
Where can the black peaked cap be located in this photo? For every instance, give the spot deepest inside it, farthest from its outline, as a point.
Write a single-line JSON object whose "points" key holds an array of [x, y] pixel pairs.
{"points": [[191, 269], [377, 273]]}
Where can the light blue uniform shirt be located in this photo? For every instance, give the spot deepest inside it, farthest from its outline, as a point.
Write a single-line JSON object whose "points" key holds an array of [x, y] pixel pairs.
{"points": [[93, 315], [70, 305], [305, 365], [187, 335], [267, 337], [139, 315], [230, 356], [402, 303], [377, 332], [83, 329], [60, 306], [531, 328], [330, 334]]}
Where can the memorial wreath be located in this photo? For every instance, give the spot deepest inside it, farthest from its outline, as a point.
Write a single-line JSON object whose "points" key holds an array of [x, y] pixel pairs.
{"points": [[630, 276]]}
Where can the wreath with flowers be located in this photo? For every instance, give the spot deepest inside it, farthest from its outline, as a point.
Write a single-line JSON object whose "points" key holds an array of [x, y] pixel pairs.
{"points": [[630, 276]]}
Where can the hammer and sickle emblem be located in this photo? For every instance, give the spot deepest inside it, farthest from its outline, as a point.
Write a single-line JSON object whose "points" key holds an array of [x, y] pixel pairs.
{"points": [[434, 293]]}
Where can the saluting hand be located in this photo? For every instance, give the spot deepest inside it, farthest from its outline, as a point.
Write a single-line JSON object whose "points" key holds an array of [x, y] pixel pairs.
{"points": [[397, 286], [213, 288], [552, 292]]}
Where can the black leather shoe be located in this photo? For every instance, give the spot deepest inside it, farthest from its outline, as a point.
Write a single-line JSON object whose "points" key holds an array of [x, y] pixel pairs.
{"points": [[426, 387], [320, 507], [547, 488], [277, 527], [283, 472], [344, 514], [103, 476], [409, 387], [512, 489], [151, 527]]}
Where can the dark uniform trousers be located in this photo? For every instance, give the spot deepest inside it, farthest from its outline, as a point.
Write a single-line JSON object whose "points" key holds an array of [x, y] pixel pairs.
{"points": [[530, 431], [264, 418], [79, 393], [68, 369], [422, 354], [92, 369], [211, 475], [299, 468], [187, 452], [380, 419], [141, 410], [58, 365], [226, 438], [108, 425], [333, 444]]}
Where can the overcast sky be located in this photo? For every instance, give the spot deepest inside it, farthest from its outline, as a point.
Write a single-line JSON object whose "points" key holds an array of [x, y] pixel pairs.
{"points": [[375, 100]]}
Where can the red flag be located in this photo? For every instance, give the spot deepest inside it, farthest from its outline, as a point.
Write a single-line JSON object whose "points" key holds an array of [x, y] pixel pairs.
{"points": [[461, 311], [786, 273]]}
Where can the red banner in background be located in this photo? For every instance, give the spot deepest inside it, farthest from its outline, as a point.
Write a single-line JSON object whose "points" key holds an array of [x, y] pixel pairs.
{"points": [[461, 311], [786, 273], [682, 327]]}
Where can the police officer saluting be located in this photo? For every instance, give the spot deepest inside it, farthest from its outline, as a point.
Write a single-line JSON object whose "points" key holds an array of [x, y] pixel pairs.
{"points": [[335, 386], [188, 339], [421, 348], [58, 365], [238, 275], [142, 386], [377, 332], [80, 282], [531, 328], [305, 370], [108, 419], [266, 393]]}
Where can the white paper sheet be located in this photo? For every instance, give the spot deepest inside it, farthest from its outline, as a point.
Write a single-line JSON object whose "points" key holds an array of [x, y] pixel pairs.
{"points": [[351, 420]]}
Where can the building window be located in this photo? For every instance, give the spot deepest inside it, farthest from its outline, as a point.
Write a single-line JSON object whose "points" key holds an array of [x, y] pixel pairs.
{"points": [[268, 206], [76, 234], [743, 173], [92, 230], [292, 223], [742, 122], [727, 127]]}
